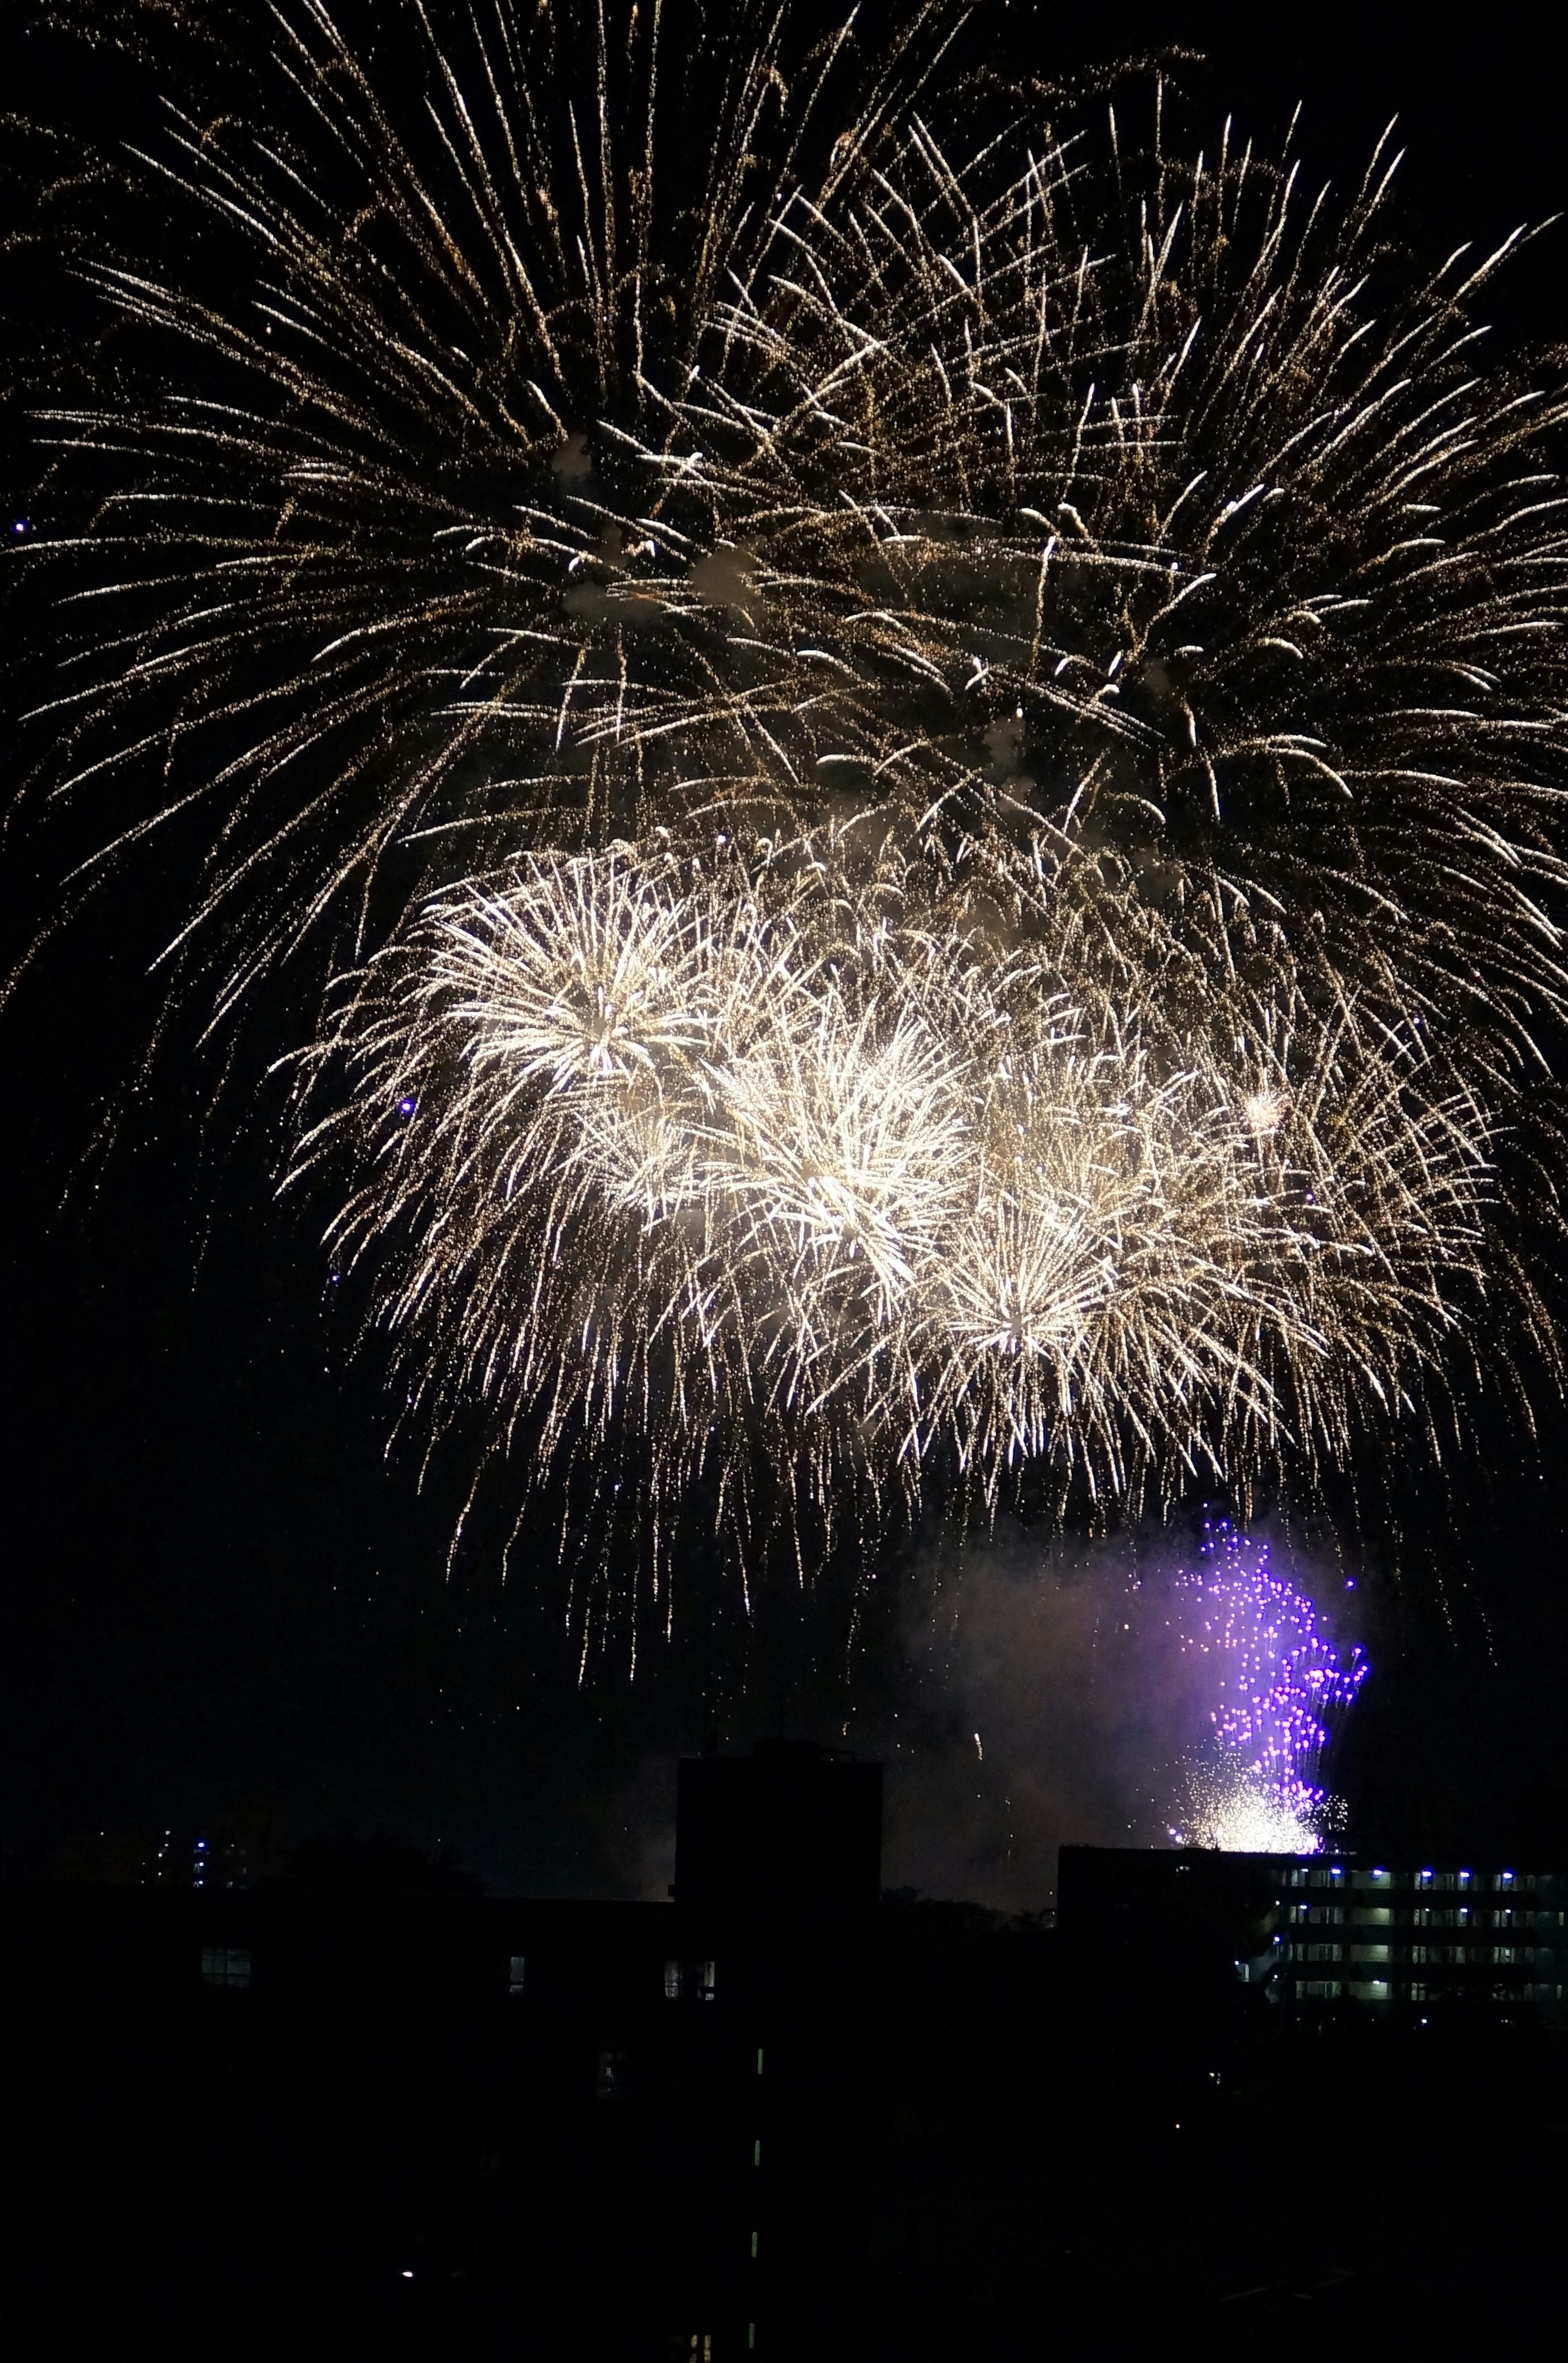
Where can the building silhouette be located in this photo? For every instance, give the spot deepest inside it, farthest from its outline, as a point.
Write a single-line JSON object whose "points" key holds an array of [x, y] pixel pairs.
{"points": [[779, 2113]]}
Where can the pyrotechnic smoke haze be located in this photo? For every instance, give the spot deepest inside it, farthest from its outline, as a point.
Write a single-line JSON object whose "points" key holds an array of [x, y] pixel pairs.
{"points": [[1070, 1697]]}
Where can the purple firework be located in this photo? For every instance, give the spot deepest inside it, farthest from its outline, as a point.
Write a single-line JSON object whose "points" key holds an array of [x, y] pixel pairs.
{"points": [[1281, 1682]]}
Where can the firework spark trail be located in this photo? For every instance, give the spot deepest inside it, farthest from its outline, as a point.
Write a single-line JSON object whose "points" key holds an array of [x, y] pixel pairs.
{"points": [[1117, 607], [1282, 1687]]}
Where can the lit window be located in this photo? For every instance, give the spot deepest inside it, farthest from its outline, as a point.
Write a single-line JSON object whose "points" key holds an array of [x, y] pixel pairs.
{"points": [[696, 1981], [226, 1964], [516, 1974]]}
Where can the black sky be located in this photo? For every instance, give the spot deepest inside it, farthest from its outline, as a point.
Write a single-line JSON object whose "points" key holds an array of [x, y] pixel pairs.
{"points": [[218, 1592]]}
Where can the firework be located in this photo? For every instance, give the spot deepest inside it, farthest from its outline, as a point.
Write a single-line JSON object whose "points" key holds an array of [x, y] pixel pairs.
{"points": [[1282, 1685], [1079, 500], [715, 1157], [924, 773], [1235, 1809]]}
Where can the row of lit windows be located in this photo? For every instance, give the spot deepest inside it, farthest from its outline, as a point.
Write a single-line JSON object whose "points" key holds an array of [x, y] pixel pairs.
{"points": [[229, 1966], [684, 1981], [1337, 1875], [1380, 1990], [1460, 1956], [1417, 1915]]}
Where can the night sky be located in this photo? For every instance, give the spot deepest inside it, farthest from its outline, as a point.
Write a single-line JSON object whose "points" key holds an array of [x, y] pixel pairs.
{"points": [[221, 1595]]}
